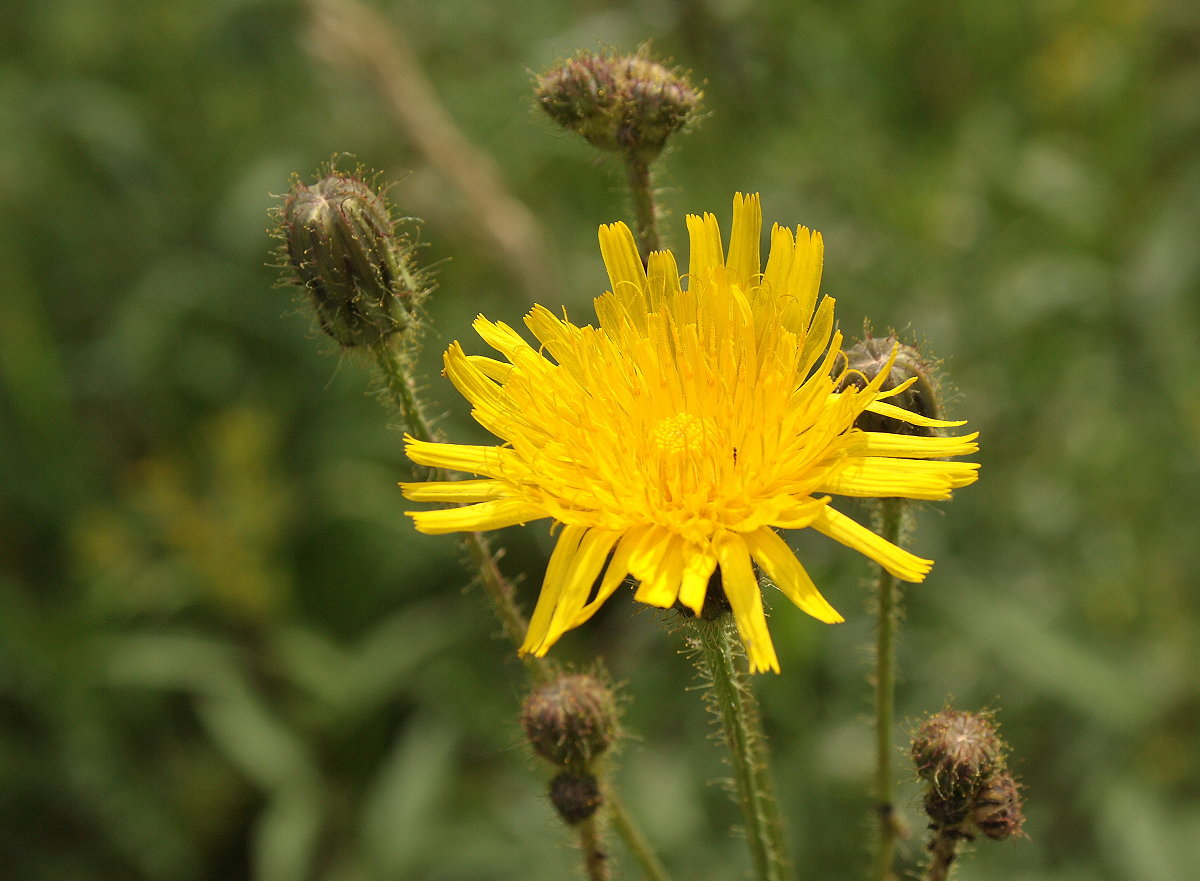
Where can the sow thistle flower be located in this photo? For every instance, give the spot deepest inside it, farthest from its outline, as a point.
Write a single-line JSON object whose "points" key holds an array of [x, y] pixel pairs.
{"points": [[672, 440]]}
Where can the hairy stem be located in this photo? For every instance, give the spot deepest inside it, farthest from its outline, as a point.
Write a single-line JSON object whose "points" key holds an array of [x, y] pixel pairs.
{"points": [[890, 517], [398, 386], [595, 860], [733, 702], [399, 389], [645, 211], [943, 848]]}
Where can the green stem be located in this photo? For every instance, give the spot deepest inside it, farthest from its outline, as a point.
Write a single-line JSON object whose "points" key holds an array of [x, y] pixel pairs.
{"points": [[399, 388], [398, 385], [643, 854], [645, 212], [890, 515], [499, 589], [733, 701]]}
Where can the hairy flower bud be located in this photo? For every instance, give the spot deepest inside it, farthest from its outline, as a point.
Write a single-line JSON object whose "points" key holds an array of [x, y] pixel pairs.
{"points": [[575, 796], [956, 751], [340, 244], [996, 810], [618, 102], [571, 720], [866, 359]]}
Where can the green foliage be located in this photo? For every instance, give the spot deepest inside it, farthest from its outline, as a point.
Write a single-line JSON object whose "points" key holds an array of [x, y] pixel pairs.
{"points": [[225, 654]]}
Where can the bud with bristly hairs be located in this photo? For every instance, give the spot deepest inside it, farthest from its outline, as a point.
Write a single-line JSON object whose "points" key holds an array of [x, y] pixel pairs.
{"points": [[968, 788], [867, 358], [571, 720], [339, 243], [623, 103]]}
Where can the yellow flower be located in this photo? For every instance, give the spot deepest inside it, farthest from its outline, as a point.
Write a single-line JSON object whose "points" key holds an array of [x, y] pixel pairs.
{"points": [[676, 437]]}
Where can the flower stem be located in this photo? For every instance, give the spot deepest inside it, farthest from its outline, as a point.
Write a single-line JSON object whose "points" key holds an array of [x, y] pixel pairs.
{"points": [[595, 860], [652, 868], [398, 387], [733, 702], [645, 211], [890, 517], [943, 848], [400, 391]]}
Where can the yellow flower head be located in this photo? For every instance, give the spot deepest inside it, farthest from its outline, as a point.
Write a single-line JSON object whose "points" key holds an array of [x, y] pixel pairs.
{"points": [[676, 437]]}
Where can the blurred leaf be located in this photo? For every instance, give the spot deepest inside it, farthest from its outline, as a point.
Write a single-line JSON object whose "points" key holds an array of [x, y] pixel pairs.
{"points": [[399, 811]]}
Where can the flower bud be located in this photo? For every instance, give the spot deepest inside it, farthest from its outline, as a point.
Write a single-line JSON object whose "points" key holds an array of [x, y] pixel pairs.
{"points": [[575, 796], [571, 720], [864, 361], [996, 811], [956, 751], [618, 102], [340, 242]]}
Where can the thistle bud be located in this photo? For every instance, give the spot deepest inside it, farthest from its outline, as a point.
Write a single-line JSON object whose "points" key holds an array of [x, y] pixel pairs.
{"points": [[962, 761], [575, 796], [618, 102], [866, 359], [340, 244], [571, 720], [996, 811], [955, 752]]}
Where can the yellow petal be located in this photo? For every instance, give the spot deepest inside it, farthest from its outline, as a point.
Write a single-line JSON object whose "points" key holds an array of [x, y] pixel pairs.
{"points": [[742, 591], [658, 565], [879, 477], [803, 280], [881, 443], [706, 252], [698, 568], [779, 260], [621, 259], [743, 260], [895, 560], [460, 491], [557, 573], [614, 574], [476, 518], [582, 570], [779, 562], [663, 286], [486, 461], [883, 408]]}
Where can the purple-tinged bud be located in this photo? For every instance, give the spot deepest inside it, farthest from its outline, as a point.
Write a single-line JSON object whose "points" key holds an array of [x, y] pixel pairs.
{"points": [[996, 811], [955, 752], [575, 796], [571, 720], [625, 103]]}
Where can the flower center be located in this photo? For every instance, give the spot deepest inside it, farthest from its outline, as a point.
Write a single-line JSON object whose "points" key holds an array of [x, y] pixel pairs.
{"points": [[677, 435]]}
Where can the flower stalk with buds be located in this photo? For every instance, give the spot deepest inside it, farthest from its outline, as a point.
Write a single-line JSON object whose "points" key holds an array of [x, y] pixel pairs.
{"points": [[962, 763], [627, 104], [573, 722], [903, 371]]}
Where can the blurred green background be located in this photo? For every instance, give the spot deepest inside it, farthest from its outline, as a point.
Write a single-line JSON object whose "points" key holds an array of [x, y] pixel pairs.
{"points": [[225, 654]]}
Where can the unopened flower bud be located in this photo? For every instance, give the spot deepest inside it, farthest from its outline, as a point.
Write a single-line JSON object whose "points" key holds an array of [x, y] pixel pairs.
{"points": [[571, 720], [341, 246], [955, 752], [575, 796], [863, 362], [618, 102], [996, 811]]}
